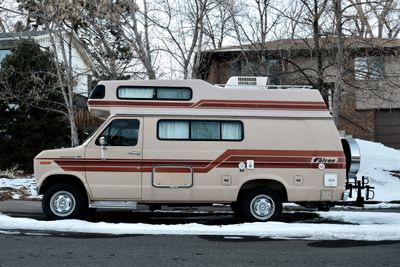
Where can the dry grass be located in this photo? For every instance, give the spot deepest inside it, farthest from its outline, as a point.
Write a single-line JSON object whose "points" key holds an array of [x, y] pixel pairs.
{"points": [[12, 173]]}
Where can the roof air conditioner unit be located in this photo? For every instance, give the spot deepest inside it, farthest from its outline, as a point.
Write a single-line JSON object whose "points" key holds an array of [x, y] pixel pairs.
{"points": [[247, 81]]}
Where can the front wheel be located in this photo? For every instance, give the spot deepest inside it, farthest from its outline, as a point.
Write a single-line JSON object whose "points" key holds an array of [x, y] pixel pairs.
{"points": [[261, 204], [62, 201]]}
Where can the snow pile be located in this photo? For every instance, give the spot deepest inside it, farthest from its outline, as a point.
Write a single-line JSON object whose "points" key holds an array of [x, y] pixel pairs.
{"points": [[18, 188], [380, 164], [367, 226]]}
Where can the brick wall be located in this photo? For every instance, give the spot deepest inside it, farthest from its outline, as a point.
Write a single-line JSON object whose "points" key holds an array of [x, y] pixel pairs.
{"points": [[358, 123], [219, 72]]}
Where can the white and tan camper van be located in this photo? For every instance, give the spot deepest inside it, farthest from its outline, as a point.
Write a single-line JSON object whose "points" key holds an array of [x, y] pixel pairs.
{"points": [[189, 142]]}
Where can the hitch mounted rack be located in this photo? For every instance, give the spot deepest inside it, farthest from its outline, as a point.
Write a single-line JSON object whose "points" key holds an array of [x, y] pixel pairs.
{"points": [[360, 185]]}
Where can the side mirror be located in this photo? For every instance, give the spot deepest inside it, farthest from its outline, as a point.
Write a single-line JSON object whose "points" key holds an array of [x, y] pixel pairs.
{"points": [[102, 141]]}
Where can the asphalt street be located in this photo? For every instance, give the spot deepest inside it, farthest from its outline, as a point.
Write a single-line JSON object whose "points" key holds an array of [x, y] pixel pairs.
{"points": [[42, 248], [86, 250]]}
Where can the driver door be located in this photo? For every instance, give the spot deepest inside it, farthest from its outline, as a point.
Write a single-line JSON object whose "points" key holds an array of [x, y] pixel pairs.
{"points": [[113, 172]]}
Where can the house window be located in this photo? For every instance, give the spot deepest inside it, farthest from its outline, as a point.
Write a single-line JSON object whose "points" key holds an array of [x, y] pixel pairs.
{"points": [[369, 68], [4, 53], [197, 130], [274, 71], [154, 93], [235, 68]]}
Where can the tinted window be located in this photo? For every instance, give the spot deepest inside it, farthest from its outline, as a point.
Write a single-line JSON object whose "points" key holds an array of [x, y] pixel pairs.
{"points": [[197, 130], [98, 92], [154, 93], [121, 132], [205, 130]]}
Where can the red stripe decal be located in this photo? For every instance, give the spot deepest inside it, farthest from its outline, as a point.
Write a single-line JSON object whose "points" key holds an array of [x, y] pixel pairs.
{"points": [[229, 159]]}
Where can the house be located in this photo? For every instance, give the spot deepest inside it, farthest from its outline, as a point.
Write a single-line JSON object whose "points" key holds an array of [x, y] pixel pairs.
{"points": [[370, 100], [81, 64]]}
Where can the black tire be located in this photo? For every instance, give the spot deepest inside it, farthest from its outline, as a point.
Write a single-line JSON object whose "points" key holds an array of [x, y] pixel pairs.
{"points": [[235, 207], [88, 211], [261, 204], [62, 201]]}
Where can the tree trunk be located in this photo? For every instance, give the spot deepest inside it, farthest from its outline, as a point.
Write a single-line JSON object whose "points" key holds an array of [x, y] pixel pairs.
{"points": [[339, 62], [73, 128], [317, 50]]}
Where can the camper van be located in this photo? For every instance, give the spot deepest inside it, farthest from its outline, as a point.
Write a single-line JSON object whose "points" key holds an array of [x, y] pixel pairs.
{"points": [[187, 142]]}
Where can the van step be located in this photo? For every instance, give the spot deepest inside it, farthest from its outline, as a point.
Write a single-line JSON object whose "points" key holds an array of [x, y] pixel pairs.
{"points": [[113, 204]]}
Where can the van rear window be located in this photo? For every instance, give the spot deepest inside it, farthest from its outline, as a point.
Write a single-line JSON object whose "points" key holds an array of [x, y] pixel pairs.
{"points": [[198, 130], [154, 93], [98, 92]]}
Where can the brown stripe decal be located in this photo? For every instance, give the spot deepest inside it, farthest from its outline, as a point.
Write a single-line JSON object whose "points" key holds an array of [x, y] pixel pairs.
{"points": [[210, 103], [130, 103], [229, 159]]}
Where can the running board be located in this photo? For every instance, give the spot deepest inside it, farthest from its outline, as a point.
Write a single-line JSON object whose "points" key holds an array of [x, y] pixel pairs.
{"points": [[112, 204]]}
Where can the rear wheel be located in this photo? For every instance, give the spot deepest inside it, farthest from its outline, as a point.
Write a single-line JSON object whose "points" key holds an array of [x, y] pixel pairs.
{"points": [[261, 204], [62, 201]]}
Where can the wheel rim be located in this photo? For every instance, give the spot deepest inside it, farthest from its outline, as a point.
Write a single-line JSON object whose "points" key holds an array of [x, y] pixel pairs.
{"points": [[62, 203], [262, 207]]}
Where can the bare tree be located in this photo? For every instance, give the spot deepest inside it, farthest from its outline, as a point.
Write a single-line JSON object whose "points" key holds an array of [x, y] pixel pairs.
{"points": [[103, 39], [11, 19], [2, 25], [337, 92], [135, 25], [60, 18], [180, 29], [254, 26], [218, 24], [313, 13], [292, 25], [374, 19], [63, 33]]}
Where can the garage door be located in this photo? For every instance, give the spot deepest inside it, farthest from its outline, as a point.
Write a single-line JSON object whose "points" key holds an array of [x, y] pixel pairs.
{"points": [[387, 127]]}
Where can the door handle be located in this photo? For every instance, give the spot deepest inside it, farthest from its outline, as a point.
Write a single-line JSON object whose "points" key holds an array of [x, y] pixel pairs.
{"points": [[136, 153]]}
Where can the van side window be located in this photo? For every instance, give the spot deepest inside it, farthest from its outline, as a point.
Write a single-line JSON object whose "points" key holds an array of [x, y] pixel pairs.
{"points": [[173, 130], [205, 130], [121, 132], [154, 93], [197, 130]]}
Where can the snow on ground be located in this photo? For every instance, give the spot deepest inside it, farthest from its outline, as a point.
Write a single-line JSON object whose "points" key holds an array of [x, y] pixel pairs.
{"points": [[366, 226], [377, 163], [18, 188]]}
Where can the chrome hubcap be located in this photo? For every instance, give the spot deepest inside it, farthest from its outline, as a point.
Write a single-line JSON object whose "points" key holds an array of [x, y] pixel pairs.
{"points": [[262, 207], [62, 203]]}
